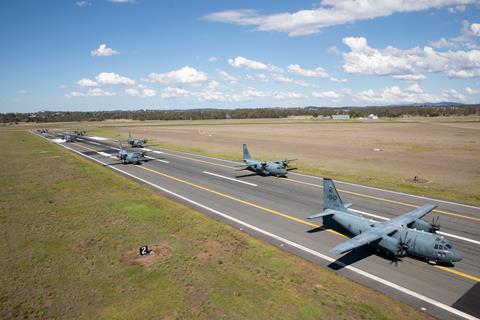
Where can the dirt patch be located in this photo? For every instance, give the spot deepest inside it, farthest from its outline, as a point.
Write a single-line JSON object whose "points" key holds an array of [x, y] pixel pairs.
{"points": [[158, 253], [416, 180]]}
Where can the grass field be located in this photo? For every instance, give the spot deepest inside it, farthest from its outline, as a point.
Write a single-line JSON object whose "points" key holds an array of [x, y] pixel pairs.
{"points": [[444, 152], [70, 229]]}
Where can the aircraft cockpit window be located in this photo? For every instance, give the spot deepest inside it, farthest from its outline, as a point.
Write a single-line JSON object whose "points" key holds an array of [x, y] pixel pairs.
{"points": [[448, 246], [440, 247], [436, 246], [438, 239]]}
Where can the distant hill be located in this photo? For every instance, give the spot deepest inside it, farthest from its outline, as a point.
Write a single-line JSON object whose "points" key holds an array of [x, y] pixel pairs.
{"points": [[432, 104]]}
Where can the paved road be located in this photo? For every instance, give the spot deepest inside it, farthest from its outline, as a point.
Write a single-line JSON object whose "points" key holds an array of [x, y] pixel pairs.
{"points": [[274, 209]]}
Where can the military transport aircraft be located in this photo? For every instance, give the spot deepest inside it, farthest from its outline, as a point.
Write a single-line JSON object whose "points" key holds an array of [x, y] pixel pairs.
{"points": [[402, 235], [130, 157], [277, 168], [135, 143], [69, 137]]}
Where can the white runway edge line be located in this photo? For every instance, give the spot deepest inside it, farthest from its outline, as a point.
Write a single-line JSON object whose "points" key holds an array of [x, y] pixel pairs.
{"points": [[339, 181], [231, 179], [439, 232], [291, 243]]}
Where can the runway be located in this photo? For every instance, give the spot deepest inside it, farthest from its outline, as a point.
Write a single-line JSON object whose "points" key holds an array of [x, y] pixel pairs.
{"points": [[275, 210]]}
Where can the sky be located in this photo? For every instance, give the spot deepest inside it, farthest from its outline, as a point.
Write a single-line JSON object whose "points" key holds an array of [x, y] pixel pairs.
{"points": [[90, 55]]}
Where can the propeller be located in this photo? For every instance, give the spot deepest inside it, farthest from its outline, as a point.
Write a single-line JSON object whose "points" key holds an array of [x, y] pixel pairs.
{"points": [[435, 224], [403, 245], [395, 259], [286, 162]]}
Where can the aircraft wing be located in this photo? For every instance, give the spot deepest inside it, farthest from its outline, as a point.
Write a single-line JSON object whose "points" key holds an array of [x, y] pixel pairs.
{"points": [[356, 242], [412, 215]]}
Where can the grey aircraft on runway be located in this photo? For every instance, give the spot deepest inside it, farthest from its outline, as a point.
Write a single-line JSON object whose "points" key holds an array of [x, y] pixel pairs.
{"points": [[130, 157], [277, 168], [69, 137], [135, 143], [400, 236]]}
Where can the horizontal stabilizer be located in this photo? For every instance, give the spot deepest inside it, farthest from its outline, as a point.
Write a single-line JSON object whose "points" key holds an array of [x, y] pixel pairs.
{"points": [[321, 214]]}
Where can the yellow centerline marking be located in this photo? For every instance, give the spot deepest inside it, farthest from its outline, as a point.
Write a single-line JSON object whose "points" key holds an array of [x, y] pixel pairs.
{"points": [[459, 273], [284, 215], [386, 200]]}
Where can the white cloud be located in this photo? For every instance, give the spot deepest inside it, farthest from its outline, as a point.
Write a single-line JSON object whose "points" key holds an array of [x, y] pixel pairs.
{"points": [[75, 94], [443, 43], [82, 4], [317, 72], [326, 94], [84, 82], [282, 79], [328, 13], [97, 92], [184, 75], [475, 28], [92, 92], [112, 78], [171, 92], [212, 59], [334, 50], [287, 95], [141, 91], [453, 94], [408, 64], [471, 91], [103, 51], [240, 62], [464, 73], [213, 85], [467, 38], [459, 8], [410, 77], [252, 92], [338, 80], [21, 91], [395, 95], [225, 76]]}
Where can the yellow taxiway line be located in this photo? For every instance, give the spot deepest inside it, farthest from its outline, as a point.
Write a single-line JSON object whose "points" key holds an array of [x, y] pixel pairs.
{"points": [[284, 215]]}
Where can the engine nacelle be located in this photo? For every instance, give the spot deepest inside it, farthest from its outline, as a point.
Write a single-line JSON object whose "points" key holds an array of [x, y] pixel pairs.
{"points": [[421, 225], [390, 244]]}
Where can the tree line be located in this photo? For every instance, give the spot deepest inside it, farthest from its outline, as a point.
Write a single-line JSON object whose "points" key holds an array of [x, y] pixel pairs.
{"points": [[248, 113]]}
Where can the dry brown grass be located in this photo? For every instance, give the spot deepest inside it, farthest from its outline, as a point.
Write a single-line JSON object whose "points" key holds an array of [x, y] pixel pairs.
{"points": [[444, 153]]}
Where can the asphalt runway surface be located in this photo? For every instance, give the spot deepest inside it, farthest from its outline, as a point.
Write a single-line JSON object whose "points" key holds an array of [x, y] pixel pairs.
{"points": [[275, 210]]}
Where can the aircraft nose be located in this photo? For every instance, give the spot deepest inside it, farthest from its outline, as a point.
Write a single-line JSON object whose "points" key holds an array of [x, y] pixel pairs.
{"points": [[455, 255]]}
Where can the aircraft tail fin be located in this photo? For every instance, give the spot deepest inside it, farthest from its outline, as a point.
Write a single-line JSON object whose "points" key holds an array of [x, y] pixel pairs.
{"points": [[331, 198], [246, 154], [129, 135], [120, 145]]}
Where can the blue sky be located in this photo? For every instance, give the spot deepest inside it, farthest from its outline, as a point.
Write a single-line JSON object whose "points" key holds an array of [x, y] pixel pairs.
{"points": [[120, 54]]}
